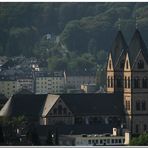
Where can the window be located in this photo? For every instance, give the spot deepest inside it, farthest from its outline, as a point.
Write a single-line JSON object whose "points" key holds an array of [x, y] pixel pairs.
{"points": [[127, 105], [89, 141], [126, 64], [137, 128], [140, 64], [145, 82], [125, 82], [129, 82], [111, 81], [108, 81], [143, 106], [136, 82], [110, 65], [138, 105], [144, 127], [113, 141]]}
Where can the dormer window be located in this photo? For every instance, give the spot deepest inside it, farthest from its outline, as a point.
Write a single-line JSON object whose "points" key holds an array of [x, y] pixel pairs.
{"points": [[140, 64]]}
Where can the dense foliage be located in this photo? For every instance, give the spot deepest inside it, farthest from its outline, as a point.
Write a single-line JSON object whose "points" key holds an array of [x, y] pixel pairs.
{"points": [[141, 140], [60, 32]]}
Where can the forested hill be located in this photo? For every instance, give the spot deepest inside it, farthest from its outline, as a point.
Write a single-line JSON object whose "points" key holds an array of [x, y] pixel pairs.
{"points": [[67, 29]]}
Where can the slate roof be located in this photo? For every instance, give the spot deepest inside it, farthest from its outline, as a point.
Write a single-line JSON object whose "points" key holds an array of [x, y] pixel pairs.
{"points": [[100, 104], [75, 129], [118, 47], [137, 44], [28, 105], [79, 104]]}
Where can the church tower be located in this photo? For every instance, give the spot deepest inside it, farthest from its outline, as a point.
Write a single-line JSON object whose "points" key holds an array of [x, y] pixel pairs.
{"points": [[115, 64], [136, 85]]}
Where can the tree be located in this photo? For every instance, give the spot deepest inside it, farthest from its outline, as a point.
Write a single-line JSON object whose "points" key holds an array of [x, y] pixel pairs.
{"points": [[141, 140]]}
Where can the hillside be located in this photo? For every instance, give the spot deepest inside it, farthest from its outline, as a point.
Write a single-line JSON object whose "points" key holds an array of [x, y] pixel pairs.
{"points": [[61, 31]]}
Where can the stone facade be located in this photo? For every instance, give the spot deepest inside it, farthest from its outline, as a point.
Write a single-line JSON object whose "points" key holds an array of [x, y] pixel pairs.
{"points": [[133, 82]]}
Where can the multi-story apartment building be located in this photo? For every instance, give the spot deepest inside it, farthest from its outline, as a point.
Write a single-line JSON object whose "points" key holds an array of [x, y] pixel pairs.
{"points": [[8, 86], [74, 80], [49, 83]]}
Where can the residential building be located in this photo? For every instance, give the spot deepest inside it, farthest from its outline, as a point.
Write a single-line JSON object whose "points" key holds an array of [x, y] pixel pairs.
{"points": [[49, 83]]}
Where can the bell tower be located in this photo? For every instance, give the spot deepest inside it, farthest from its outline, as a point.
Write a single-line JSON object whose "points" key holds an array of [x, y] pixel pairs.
{"points": [[115, 64]]}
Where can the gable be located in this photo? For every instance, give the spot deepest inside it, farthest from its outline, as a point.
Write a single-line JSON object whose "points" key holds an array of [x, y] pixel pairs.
{"points": [[110, 63], [127, 66], [140, 62], [59, 109]]}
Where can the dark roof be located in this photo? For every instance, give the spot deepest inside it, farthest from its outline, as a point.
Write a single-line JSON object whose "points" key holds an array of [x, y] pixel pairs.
{"points": [[135, 46], [75, 129], [28, 105], [24, 91], [102, 103], [118, 47]]}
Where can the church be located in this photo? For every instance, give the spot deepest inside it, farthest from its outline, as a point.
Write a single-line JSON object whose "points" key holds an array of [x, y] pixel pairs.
{"points": [[124, 105], [127, 73]]}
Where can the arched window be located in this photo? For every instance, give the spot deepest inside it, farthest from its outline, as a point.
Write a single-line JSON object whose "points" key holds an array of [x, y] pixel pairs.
{"points": [[110, 65], [122, 64], [140, 64], [126, 64], [59, 109], [112, 82], [129, 82], [145, 82], [125, 82], [136, 82], [108, 81]]}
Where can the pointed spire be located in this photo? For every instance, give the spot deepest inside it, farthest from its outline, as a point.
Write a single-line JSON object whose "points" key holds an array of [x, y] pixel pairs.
{"points": [[136, 44], [119, 45]]}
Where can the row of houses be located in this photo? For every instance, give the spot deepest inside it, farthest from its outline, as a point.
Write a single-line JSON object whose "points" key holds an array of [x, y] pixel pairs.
{"points": [[44, 82]]}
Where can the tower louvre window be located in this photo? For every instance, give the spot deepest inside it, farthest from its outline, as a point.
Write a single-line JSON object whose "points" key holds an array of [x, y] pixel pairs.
{"points": [[108, 81], [140, 64], [111, 82], [127, 65], [125, 82], [145, 82], [136, 82], [129, 82], [110, 65], [127, 105]]}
